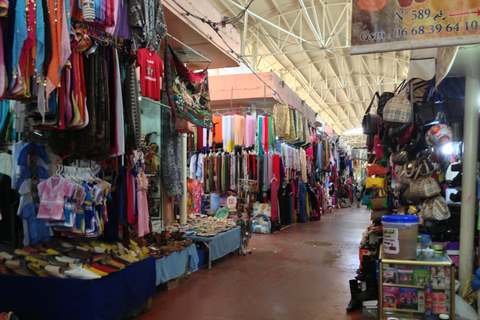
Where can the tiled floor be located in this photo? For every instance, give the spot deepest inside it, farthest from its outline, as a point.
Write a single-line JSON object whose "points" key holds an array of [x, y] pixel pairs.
{"points": [[301, 272]]}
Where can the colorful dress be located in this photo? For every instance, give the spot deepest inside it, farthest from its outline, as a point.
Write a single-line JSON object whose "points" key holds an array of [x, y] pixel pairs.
{"points": [[142, 204]]}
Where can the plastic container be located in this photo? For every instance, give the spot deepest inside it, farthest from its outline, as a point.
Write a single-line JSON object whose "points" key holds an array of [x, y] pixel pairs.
{"points": [[214, 201], [400, 237]]}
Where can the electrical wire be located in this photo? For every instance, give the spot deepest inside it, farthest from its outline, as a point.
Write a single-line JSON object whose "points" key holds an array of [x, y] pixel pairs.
{"points": [[214, 26]]}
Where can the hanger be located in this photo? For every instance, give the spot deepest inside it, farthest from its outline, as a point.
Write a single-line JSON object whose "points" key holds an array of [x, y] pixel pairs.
{"points": [[77, 154]]}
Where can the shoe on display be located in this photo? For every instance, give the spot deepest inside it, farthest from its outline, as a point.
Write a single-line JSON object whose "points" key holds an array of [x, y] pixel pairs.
{"points": [[102, 268], [67, 245], [37, 261], [56, 271], [11, 316], [99, 250], [120, 246], [456, 197], [457, 181], [53, 252], [81, 248], [31, 250], [96, 271], [67, 259], [21, 252], [82, 273], [6, 255], [54, 262], [3, 268]]}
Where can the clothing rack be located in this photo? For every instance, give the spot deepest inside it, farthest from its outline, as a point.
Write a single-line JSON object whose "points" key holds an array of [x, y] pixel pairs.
{"points": [[104, 38], [195, 51]]}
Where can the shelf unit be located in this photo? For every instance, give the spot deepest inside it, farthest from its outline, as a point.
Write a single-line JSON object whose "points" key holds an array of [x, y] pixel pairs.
{"points": [[443, 261]]}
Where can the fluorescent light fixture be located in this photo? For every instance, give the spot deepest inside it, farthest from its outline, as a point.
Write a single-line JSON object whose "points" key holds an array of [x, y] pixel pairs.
{"points": [[353, 132], [448, 148]]}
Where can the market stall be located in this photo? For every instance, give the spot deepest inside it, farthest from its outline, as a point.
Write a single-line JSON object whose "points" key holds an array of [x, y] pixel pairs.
{"points": [[177, 264], [221, 244], [110, 297]]}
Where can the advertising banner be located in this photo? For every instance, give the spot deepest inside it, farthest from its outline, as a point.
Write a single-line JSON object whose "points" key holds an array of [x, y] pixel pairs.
{"points": [[394, 25]]}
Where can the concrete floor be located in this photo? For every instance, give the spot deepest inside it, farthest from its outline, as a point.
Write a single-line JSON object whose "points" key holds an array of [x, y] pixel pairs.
{"points": [[301, 272]]}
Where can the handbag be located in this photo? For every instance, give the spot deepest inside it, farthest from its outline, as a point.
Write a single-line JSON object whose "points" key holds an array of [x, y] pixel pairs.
{"points": [[371, 121], [418, 168], [400, 174], [377, 146], [376, 170], [375, 183], [386, 96], [406, 135], [398, 109], [435, 209], [428, 111], [377, 204], [401, 157], [424, 188]]}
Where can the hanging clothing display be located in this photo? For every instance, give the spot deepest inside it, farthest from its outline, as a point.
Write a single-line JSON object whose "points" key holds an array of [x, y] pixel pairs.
{"points": [[147, 21], [151, 73]]}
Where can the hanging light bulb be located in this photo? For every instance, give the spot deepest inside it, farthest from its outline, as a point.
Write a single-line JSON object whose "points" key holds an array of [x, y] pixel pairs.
{"points": [[448, 148]]}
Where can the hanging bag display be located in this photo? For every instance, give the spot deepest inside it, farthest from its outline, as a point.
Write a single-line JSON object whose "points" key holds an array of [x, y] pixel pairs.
{"points": [[376, 170], [435, 209], [370, 122], [375, 183], [387, 96], [377, 204], [398, 110], [424, 188], [419, 168], [378, 147]]}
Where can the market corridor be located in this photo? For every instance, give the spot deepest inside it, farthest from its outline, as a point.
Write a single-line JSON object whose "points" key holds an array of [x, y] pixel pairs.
{"points": [[301, 273]]}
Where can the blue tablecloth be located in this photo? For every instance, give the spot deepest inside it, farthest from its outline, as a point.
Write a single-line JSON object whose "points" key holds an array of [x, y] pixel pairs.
{"points": [[222, 243], [110, 297], [174, 265]]}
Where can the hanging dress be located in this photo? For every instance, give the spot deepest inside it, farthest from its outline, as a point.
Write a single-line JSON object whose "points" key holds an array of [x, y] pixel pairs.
{"points": [[142, 204]]}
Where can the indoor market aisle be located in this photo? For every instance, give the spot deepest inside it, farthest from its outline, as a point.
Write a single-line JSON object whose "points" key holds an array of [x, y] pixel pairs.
{"points": [[301, 272]]}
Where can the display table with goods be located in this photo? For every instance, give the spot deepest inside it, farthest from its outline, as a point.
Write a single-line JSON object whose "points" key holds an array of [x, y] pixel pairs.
{"points": [[220, 244], [174, 256], [73, 282]]}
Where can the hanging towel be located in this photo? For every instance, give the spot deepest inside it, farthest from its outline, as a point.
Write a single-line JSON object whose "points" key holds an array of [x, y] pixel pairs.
{"points": [[265, 134], [271, 134], [239, 130], [281, 120], [249, 131]]}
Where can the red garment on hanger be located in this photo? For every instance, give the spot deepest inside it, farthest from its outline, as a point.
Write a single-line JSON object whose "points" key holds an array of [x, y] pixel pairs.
{"points": [[276, 167], [265, 134], [199, 138]]}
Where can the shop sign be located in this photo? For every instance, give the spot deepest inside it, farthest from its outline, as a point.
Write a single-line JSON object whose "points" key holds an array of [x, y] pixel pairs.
{"points": [[393, 25]]}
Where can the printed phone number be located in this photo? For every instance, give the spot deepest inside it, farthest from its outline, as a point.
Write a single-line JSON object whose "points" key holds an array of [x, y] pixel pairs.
{"points": [[420, 30]]}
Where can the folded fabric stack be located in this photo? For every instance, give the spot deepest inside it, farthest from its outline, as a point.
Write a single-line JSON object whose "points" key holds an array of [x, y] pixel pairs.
{"points": [[86, 261]]}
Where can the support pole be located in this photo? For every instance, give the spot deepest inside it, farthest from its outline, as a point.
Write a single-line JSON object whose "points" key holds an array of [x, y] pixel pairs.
{"points": [[469, 181], [183, 199]]}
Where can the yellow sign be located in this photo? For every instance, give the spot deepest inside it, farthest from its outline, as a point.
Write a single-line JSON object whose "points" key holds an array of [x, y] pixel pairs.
{"points": [[392, 25]]}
